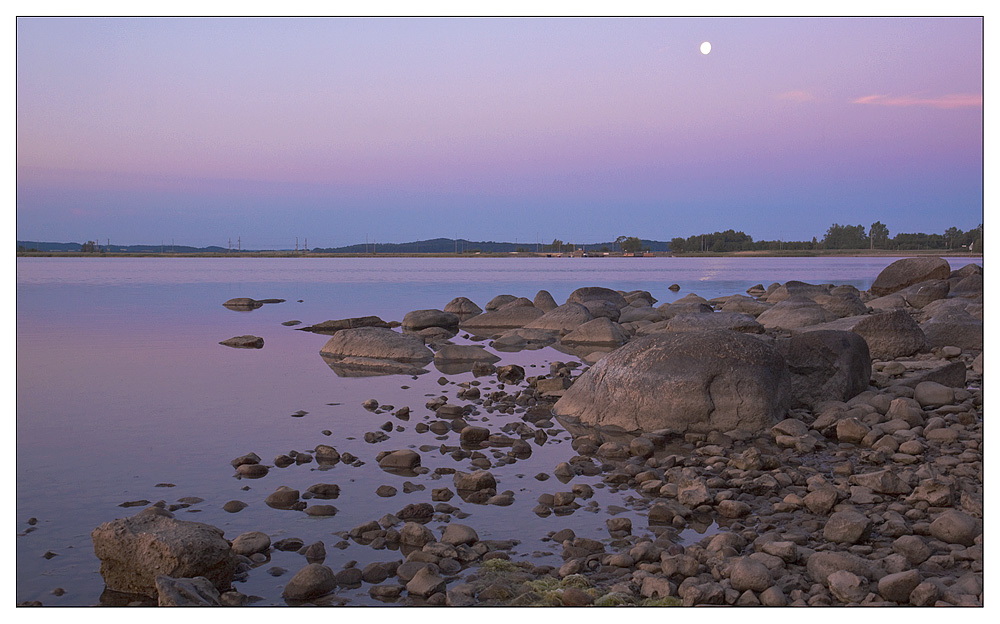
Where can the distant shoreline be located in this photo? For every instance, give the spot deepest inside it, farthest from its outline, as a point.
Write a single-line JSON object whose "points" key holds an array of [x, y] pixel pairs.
{"points": [[816, 253]]}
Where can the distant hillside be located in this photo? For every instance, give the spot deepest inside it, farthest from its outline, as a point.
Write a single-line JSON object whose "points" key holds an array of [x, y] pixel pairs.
{"points": [[43, 246], [432, 246], [450, 245]]}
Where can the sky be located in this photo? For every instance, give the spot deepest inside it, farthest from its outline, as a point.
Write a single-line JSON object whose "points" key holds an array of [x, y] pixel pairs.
{"points": [[199, 131]]}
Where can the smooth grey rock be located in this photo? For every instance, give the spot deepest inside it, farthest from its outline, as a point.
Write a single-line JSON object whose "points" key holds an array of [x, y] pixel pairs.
{"points": [[826, 366], [685, 381], [909, 271], [312, 581], [377, 343]]}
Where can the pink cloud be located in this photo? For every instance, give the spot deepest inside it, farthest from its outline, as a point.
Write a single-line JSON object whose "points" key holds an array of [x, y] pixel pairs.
{"points": [[953, 100], [797, 96]]}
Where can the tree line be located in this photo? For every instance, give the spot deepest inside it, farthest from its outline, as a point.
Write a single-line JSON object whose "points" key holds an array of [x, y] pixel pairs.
{"points": [[837, 237]]}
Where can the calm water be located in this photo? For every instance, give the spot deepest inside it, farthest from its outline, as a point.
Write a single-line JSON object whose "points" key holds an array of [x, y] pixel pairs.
{"points": [[122, 385]]}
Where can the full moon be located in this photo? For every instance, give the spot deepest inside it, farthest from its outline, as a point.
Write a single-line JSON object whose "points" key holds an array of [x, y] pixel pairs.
{"points": [[706, 47]]}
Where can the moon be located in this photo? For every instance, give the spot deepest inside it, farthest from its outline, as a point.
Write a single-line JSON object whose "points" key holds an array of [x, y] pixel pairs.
{"points": [[706, 47]]}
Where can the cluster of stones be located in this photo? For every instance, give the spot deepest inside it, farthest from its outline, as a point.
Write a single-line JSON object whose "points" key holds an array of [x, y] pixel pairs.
{"points": [[832, 437]]}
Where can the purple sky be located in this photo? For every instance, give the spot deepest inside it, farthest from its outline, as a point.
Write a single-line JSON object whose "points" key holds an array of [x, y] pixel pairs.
{"points": [[201, 130]]}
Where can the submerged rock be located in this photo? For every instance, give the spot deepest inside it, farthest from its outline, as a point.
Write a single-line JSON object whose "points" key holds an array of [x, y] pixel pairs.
{"points": [[244, 342], [243, 304]]}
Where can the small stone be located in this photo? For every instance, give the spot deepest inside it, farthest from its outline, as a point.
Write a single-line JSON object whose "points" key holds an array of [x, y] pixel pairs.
{"points": [[955, 527], [312, 581], [251, 542], [234, 506], [897, 587]]}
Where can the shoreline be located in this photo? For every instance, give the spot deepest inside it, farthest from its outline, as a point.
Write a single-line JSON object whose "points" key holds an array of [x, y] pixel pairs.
{"points": [[819, 253]]}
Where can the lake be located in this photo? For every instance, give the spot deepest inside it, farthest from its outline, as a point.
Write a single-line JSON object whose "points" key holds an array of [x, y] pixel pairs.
{"points": [[122, 387]]}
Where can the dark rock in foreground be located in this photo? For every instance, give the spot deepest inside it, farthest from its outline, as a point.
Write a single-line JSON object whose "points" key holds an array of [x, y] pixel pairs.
{"points": [[134, 551]]}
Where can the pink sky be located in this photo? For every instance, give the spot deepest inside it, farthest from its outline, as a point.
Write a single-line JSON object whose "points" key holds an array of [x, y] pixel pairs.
{"points": [[205, 129]]}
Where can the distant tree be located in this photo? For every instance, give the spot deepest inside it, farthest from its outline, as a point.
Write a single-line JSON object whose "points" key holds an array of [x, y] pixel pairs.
{"points": [[619, 241], [604, 249], [952, 236], [521, 250], [631, 245], [556, 245], [878, 235], [845, 237], [88, 247]]}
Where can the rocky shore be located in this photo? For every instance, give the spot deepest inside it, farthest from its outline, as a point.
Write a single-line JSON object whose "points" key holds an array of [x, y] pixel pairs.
{"points": [[832, 438]]}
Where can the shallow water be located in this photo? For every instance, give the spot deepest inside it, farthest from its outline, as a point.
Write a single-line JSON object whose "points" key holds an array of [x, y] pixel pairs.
{"points": [[122, 385]]}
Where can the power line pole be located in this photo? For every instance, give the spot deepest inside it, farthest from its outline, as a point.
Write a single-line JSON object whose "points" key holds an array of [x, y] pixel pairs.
{"points": [[239, 244]]}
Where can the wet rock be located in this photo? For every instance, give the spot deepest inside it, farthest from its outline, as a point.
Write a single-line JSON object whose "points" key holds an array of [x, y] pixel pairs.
{"points": [[479, 480], [324, 491], [282, 498], [422, 319], [321, 510], [562, 319], [495, 321], [251, 542], [244, 342], [591, 293], [134, 551], [315, 552], [186, 592], [820, 565], [404, 459], [243, 304], [377, 343], [312, 581], [425, 582], [464, 353], [458, 534], [931, 394], [289, 544], [600, 332], [330, 328], [415, 534], [463, 307], [511, 374]]}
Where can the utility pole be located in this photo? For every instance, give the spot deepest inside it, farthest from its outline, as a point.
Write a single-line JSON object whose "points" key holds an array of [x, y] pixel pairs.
{"points": [[296, 243], [239, 244], [305, 245], [230, 246]]}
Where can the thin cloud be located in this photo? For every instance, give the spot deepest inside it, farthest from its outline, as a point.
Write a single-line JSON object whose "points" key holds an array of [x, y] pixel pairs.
{"points": [[953, 100], [797, 96]]}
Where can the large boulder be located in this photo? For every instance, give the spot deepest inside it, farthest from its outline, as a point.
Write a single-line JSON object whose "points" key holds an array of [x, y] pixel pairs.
{"points": [[969, 286], [685, 381], [377, 343], [498, 302], [563, 319], [496, 321], [794, 288], [134, 551], [715, 321], [544, 301], [842, 304], [632, 314], [422, 319], [589, 293], [890, 335], [919, 295], [464, 353], [957, 329], [312, 581], [677, 308], [826, 366], [463, 307], [793, 313], [741, 304], [907, 272], [603, 308], [600, 332]]}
